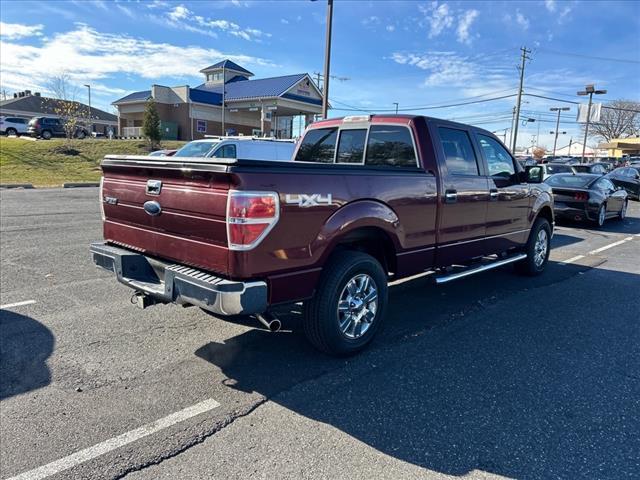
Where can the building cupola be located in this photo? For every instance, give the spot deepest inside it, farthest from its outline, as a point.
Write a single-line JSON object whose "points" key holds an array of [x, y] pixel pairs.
{"points": [[227, 70]]}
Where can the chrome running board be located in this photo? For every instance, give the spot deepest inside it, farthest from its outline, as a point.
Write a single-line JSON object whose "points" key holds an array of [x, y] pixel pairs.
{"points": [[481, 268]]}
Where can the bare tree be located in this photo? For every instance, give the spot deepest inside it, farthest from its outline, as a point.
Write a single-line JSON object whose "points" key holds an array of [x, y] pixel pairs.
{"points": [[73, 113], [538, 152], [620, 121]]}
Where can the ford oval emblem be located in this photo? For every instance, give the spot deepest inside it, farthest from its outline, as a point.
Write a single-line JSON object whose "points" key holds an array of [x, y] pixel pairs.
{"points": [[153, 208]]}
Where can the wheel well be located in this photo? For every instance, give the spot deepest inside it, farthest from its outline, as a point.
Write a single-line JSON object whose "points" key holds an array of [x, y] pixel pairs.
{"points": [[545, 212], [373, 241]]}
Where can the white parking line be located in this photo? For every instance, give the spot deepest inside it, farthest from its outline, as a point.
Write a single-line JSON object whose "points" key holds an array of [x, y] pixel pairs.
{"points": [[597, 250], [17, 304], [116, 442], [611, 245]]}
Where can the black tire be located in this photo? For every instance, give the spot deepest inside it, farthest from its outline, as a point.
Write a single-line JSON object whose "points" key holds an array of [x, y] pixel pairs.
{"points": [[11, 131], [531, 266], [602, 216], [81, 135], [321, 320], [46, 135], [623, 211]]}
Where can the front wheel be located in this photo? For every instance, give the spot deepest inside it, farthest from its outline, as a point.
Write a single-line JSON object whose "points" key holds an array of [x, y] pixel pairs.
{"points": [[348, 308], [537, 249], [11, 131]]}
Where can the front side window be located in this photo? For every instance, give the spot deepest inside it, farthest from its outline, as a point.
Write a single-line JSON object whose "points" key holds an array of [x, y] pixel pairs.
{"points": [[226, 151], [458, 152], [351, 146], [499, 161], [318, 145], [196, 149], [390, 145]]}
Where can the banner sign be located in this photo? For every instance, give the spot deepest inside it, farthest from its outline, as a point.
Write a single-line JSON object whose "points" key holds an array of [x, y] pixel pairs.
{"points": [[596, 108]]}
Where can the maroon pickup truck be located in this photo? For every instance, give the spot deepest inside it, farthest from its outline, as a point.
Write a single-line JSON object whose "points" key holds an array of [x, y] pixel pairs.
{"points": [[365, 201]]}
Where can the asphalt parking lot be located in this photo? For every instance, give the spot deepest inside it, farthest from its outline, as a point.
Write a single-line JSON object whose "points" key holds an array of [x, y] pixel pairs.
{"points": [[492, 376]]}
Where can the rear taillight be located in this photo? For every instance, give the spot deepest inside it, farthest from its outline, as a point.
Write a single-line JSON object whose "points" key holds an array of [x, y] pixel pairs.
{"points": [[581, 196], [250, 216], [102, 199]]}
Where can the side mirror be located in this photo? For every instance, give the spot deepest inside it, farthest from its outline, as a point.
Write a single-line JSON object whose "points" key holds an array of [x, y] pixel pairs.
{"points": [[534, 175]]}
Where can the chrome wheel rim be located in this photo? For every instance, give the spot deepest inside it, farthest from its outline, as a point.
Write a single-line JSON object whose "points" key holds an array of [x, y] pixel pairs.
{"points": [[601, 215], [541, 247], [357, 306]]}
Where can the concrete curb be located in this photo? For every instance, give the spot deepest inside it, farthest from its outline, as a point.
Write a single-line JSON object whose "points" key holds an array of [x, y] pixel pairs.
{"points": [[79, 185], [16, 185]]}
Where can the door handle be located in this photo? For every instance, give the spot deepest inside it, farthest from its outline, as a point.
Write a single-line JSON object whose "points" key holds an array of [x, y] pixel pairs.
{"points": [[493, 194], [450, 196]]}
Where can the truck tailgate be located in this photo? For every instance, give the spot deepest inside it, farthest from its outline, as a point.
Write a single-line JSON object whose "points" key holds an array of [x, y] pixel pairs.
{"points": [[191, 226]]}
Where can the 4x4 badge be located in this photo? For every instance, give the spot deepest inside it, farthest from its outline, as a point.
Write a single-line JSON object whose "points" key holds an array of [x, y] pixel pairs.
{"points": [[154, 187], [304, 200]]}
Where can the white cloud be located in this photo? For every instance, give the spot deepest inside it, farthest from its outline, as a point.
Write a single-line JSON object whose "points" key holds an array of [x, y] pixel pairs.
{"points": [[81, 53], [390, 28], [371, 20], [439, 18], [464, 24], [550, 5], [126, 10], [182, 18], [157, 4], [522, 20], [284, 21], [11, 31], [444, 68]]}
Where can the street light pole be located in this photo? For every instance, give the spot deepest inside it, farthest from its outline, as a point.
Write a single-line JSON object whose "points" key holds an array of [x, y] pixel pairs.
{"points": [[90, 121], [589, 90], [224, 87], [557, 109], [396, 104], [327, 60]]}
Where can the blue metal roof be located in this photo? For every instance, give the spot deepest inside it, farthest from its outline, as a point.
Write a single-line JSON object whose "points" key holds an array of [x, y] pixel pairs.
{"points": [[228, 64], [135, 97], [260, 88], [204, 96]]}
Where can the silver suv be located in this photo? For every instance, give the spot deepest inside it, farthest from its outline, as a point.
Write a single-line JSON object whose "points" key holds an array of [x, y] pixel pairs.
{"points": [[13, 125]]}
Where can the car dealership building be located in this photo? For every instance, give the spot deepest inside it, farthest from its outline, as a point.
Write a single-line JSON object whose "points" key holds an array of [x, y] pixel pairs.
{"points": [[263, 107]]}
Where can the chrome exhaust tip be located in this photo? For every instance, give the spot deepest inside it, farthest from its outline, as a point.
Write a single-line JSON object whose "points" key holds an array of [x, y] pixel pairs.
{"points": [[269, 321]]}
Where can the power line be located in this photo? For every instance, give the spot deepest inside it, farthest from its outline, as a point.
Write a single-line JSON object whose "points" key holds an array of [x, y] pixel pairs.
{"points": [[578, 103], [579, 55], [426, 107]]}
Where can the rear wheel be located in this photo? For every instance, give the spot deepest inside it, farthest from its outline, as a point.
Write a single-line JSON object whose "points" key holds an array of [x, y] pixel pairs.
{"points": [[11, 131], [348, 308], [46, 134], [81, 135], [623, 211], [602, 215], [537, 249]]}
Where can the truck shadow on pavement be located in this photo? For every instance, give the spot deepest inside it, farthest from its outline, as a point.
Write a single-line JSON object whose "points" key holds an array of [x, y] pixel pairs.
{"points": [[25, 345], [511, 390]]}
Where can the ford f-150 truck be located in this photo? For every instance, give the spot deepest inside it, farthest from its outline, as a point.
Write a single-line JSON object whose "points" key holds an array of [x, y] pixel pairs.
{"points": [[367, 200]]}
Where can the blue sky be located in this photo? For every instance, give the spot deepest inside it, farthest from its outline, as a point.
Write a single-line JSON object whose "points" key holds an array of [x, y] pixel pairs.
{"points": [[414, 53]]}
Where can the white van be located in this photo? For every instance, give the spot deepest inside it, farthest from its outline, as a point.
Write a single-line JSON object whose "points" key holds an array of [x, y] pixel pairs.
{"points": [[246, 148]]}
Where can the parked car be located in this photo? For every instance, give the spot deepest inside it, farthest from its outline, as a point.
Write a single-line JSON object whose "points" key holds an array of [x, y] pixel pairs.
{"points": [[246, 148], [596, 168], [549, 169], [48, 127], [163, 153], [367, 199], [13, 125], [587, 197], [627, 178]]}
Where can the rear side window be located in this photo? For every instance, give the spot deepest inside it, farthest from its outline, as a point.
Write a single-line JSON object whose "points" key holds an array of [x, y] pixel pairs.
{"points": [[499, 161], [351, 146], [226, 151], [458, 152], [390, 145], [318, 145]]}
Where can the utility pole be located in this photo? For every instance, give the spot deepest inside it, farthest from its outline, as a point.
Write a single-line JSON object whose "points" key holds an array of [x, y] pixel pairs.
{"points": [[589, 90], [90, 121], [396, 104], [224, 88], [570, 143], [524, 58], [555, 140], [327, 60]]}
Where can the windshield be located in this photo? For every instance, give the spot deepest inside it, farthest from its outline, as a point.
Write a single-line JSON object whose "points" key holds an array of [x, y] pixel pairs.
{"points": [[552, 169], [579, 181], [196, 149]]}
